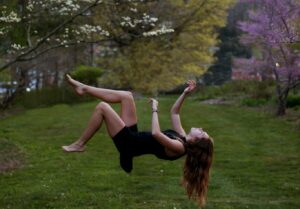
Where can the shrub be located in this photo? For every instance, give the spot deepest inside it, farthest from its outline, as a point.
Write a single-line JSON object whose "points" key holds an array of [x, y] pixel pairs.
{"points": [[49, 96], [253, 89], [87, 74], [293, 101]]}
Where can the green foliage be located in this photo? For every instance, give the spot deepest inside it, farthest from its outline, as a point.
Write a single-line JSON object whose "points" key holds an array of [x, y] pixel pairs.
{"points": [[162, 63], [229, 47], [87, 74], [245, 93], [145, 68], [256, 163], [293, 100], [254, 89]]}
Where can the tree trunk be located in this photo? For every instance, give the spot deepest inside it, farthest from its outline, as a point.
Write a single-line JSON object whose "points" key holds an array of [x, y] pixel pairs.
{"points": [[75, 55], [10, 95], [38, 79], [281, 108], [282, 100], [92, 52], [56, 75], [45, 80]]}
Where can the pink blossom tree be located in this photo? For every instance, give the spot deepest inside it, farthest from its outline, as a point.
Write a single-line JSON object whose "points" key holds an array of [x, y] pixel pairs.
{"points": [[271, 29]]}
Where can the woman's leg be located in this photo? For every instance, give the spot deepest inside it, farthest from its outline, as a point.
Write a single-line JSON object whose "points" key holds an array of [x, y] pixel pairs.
{"points": [[103, 112], [128, 109]]}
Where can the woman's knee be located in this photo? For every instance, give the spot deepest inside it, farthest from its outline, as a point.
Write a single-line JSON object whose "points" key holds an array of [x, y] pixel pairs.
{"points": [[128, 95], [102, 106]]}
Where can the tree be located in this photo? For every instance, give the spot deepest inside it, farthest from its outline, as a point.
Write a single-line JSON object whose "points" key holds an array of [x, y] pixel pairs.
{"points": [[271, 29], [163, 63], [52, 24], [228, 47], [30, 28]]}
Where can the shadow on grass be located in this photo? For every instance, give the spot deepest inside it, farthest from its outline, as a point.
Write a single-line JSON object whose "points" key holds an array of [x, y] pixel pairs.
{"points": [[11, 156]]}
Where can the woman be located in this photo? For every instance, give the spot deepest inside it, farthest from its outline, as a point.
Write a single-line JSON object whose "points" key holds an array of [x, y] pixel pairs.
{"points": [[168, 145]]}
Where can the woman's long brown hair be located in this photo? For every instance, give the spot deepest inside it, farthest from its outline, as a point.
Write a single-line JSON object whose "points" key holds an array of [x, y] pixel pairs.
{"points": [[196, 169]]}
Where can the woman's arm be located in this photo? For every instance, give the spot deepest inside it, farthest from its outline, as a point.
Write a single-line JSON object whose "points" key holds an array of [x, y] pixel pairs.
{"points": [[175, 110], [172, 145]]}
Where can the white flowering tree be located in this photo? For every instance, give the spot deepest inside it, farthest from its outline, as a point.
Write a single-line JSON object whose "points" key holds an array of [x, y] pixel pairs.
{"points": [[30, 28], [61, 23]]}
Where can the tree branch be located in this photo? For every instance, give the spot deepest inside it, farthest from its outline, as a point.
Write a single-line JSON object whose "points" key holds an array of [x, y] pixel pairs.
{"points": [[44, 39], [28, 35], [295, 84], [62, 45]]}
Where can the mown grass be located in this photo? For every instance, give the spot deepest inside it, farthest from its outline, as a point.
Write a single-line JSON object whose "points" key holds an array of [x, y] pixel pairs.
{"points": [[257, 162]]}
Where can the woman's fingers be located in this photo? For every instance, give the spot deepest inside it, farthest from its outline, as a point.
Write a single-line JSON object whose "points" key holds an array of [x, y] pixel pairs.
{"points": [[191, 84], [152, 100], [153, 103]]}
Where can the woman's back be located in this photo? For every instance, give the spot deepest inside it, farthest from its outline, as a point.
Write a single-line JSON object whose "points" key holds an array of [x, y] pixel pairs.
{"points": [[133, 143]]}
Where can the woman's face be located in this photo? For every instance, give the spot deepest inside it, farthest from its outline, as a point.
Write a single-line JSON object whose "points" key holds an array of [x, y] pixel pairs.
{"points": [[197, 133]]}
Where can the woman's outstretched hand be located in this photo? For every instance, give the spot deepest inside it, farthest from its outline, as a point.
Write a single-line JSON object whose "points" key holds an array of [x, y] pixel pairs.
{"points": [[154, 104], [191, 87]]}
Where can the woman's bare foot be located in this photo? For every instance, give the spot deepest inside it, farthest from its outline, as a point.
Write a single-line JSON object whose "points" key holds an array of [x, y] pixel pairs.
{"points": [[74, 148], [78, 87]]}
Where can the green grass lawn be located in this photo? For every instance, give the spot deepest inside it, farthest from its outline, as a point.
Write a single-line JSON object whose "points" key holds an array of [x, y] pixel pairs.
{"points": [[256, 165]]}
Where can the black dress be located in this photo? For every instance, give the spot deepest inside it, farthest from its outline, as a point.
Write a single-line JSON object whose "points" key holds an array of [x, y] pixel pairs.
{"points": [[131, 143]]}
